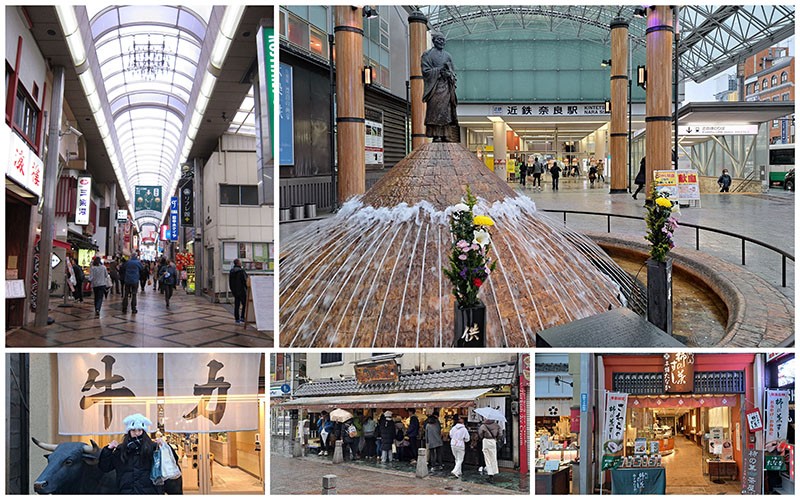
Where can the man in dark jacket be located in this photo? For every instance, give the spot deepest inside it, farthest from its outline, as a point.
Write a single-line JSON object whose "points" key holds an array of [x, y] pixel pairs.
{"points": [[555, 173], [413, 434], [79, 278], [130, 272], [238, 283]]}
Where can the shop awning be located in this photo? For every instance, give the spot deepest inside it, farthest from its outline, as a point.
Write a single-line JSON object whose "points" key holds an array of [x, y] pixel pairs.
{"points": [[460, 398]]}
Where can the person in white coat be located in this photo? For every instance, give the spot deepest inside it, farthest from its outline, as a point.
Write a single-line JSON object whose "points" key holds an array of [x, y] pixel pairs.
{"points": [[459, 436]]}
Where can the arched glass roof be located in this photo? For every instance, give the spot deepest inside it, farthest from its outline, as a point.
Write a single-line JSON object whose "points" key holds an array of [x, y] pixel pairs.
{"points": [[712, 37], [148, 108]]}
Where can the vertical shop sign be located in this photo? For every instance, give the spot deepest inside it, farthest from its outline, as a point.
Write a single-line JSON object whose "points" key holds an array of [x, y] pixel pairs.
{"points": [[187, 205], [211, 392], [23, 165], [753, 472], [35, 276], [614, 428], [97, 391], [286, 116], [678, 372], [754, 420], [524, 388], [173, 218], [84, 198], [777, 416]]}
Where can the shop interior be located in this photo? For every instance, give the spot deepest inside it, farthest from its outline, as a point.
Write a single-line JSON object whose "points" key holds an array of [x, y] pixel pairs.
{"points": [[696, 445]]}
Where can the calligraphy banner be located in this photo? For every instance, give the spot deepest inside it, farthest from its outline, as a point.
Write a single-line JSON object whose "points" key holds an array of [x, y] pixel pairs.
{"points": [[678, 372], [614, 423], [639, 481], [97, 391], [211, 392], [777, 415]]}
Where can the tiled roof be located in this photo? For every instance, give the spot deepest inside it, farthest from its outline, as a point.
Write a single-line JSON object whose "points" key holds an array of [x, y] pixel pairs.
{"points": [[451, 378]]}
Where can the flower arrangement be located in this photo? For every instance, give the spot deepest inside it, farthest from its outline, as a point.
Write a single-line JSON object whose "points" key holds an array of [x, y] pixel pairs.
{"points": [[661, 224], [469, 262]]}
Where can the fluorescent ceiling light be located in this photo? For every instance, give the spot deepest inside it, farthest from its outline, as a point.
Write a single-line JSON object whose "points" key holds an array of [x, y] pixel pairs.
{"points": [[69, 24]]}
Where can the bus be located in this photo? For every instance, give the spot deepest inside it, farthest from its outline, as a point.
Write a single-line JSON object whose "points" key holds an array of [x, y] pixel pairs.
{"points": [[781, 166]]}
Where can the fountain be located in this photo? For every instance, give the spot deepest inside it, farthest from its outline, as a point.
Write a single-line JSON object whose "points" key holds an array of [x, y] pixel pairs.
{"points": [[371, 275]]}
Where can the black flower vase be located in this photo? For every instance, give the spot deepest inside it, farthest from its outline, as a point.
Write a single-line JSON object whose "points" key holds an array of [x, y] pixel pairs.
{"points": [[659, 293], [470, 326]]}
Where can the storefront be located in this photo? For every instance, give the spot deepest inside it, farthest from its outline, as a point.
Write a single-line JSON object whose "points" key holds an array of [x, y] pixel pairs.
{"points": [[210, 407], [780, 450], [663, 413], [450, 393]]}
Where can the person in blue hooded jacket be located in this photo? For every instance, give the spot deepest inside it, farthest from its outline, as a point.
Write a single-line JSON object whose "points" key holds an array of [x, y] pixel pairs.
{"points": [[130, 272]]}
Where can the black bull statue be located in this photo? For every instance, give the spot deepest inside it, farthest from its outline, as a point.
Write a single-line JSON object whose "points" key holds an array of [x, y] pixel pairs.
{"points": [[72, 469]]}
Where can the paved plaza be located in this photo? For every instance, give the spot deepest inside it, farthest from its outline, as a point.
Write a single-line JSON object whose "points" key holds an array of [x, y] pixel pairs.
{"points": [[189, 322]]}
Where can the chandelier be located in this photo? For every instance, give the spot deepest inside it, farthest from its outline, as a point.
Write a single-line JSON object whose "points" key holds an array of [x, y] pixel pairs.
{"points": [[148, 59]]}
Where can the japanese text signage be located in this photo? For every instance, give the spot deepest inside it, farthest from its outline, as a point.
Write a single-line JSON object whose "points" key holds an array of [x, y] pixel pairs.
{"points": [[147, 201], [614, 424], [385, 371], [548, 109], [23, 165], [97, 391], [682, 184], [187, 205], [211, 392], [122, 215], [777, 416], [717, 129], [753, 472], [173, 218], [84, 199], [286, 115], [754, 420], [678, 372], [373, 140]]}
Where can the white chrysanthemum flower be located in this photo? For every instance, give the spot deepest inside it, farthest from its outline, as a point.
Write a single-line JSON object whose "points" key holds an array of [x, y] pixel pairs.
{"points": [[481, 237], [460, 207]]}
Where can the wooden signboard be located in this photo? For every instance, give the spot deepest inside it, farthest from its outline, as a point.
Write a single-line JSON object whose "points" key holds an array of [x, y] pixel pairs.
{"points": [[678, 372], [384, 371]]}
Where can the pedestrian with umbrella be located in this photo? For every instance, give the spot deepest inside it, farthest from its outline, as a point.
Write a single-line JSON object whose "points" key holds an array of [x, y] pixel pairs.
{"points": [[490, 432]]}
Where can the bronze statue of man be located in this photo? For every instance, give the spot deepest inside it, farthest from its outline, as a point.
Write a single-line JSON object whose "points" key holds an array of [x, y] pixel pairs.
{"points": [[438, 73]]}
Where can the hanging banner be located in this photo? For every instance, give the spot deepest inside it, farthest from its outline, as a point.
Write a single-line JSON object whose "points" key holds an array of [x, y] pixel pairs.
{"points": [[23, 165], [84, 199], [173, 218], [187, 205], [147, 201], [97, 391], [211, 392], [678, 372], [614, 428], [776, 416], [754, 420]]}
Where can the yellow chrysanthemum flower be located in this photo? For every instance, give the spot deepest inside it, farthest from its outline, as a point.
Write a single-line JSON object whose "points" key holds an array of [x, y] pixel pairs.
{"points": [[663, 202], [483, 220]]}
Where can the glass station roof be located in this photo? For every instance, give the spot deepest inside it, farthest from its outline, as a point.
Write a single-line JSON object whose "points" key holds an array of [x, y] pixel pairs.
{"points": [[148, 56], [712, 37]]}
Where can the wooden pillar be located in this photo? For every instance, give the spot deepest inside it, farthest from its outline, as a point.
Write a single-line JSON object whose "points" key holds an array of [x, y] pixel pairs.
{"points": [[417, 29], [660, 32], [619, 105], [350, 145]]}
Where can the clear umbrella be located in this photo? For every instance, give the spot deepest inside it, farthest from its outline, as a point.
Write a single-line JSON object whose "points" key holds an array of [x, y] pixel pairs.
{"points": [[339, 415], [491, 414]]}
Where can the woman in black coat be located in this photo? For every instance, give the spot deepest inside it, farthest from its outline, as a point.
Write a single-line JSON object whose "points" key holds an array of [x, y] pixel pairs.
{"points": [[386, 431], [132, 459], [640, 178]]}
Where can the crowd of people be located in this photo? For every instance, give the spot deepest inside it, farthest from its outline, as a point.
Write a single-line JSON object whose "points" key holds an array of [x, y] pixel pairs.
{"points": [[533, 167], [124, 276], [385, 437]]}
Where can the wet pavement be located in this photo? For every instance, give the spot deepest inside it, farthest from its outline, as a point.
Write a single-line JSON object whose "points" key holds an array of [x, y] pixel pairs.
{"points": [[371, 477], [189, 322], [765, 217]]}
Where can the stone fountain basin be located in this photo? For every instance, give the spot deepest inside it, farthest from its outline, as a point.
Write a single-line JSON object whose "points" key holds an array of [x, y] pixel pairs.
{"points": [[758, 314]]}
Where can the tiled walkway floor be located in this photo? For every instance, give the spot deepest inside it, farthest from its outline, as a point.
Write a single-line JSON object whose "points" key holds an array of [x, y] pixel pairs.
{"points": [[190, 322], [226, 480], [685, 472]]}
